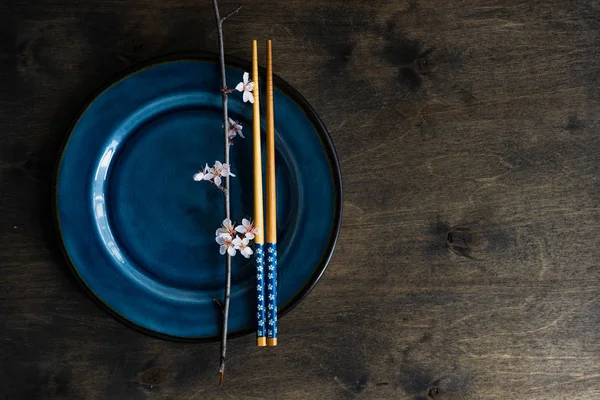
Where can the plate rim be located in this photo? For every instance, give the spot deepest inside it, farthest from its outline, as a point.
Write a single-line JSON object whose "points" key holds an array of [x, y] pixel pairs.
{"points": [[295, 96]]}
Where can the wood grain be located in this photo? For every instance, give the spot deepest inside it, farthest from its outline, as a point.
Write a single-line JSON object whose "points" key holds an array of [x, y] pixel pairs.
{"points": [[469, 118]]}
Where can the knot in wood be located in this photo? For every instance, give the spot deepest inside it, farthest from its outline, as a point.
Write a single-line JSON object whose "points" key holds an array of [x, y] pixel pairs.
{"points": [[155, 376], [465, 241]]}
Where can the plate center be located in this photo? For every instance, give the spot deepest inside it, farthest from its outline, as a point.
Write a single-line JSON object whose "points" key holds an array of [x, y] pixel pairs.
{"points": [[163, 220]]}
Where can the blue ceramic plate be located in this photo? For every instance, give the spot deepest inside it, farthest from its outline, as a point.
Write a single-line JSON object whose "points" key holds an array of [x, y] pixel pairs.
{"points": [[139, 232]]}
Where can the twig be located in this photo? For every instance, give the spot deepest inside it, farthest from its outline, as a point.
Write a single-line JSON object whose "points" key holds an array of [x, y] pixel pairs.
{"points": [[230, 14], [219, 305], [226, 192]]}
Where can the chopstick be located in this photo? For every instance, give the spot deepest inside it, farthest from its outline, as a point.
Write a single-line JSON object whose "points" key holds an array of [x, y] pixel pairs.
{"points": [[259, 240], [271, 235]]}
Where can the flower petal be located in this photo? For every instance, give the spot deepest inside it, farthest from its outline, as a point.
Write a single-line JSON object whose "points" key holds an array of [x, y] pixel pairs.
{"points": [[198, 176], [245, 222], [247, 252], [231, 251], [218, 165], [240, 87], [246, 77], [231, 174], [240, 229], [222, 249], [250, 97], [224, 238], [250, 86], [246, 96], [217, 180], [208, 176], [249, 235]]}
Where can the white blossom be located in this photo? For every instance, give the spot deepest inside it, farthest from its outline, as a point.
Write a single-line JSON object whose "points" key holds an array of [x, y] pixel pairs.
{"points": [[226, 228], [247, 86], [247, 229], [227, 245], [205, 175], [244, 247], [221, 170], [235, 128]]}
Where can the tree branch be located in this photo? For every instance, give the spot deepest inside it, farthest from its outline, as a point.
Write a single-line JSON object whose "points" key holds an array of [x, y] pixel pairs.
{"points": [[226, 191]]}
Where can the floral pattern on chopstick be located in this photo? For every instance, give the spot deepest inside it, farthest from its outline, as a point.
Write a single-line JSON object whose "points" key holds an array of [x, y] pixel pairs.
{"points": [[259, 258], [271, 290]]}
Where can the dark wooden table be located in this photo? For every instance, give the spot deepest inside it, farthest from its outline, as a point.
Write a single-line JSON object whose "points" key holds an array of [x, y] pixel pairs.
{"points": [[468, 265]]}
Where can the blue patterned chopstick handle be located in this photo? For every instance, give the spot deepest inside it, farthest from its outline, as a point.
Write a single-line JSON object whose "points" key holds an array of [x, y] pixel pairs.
{"points": [[259, 259], [271, 290]]}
